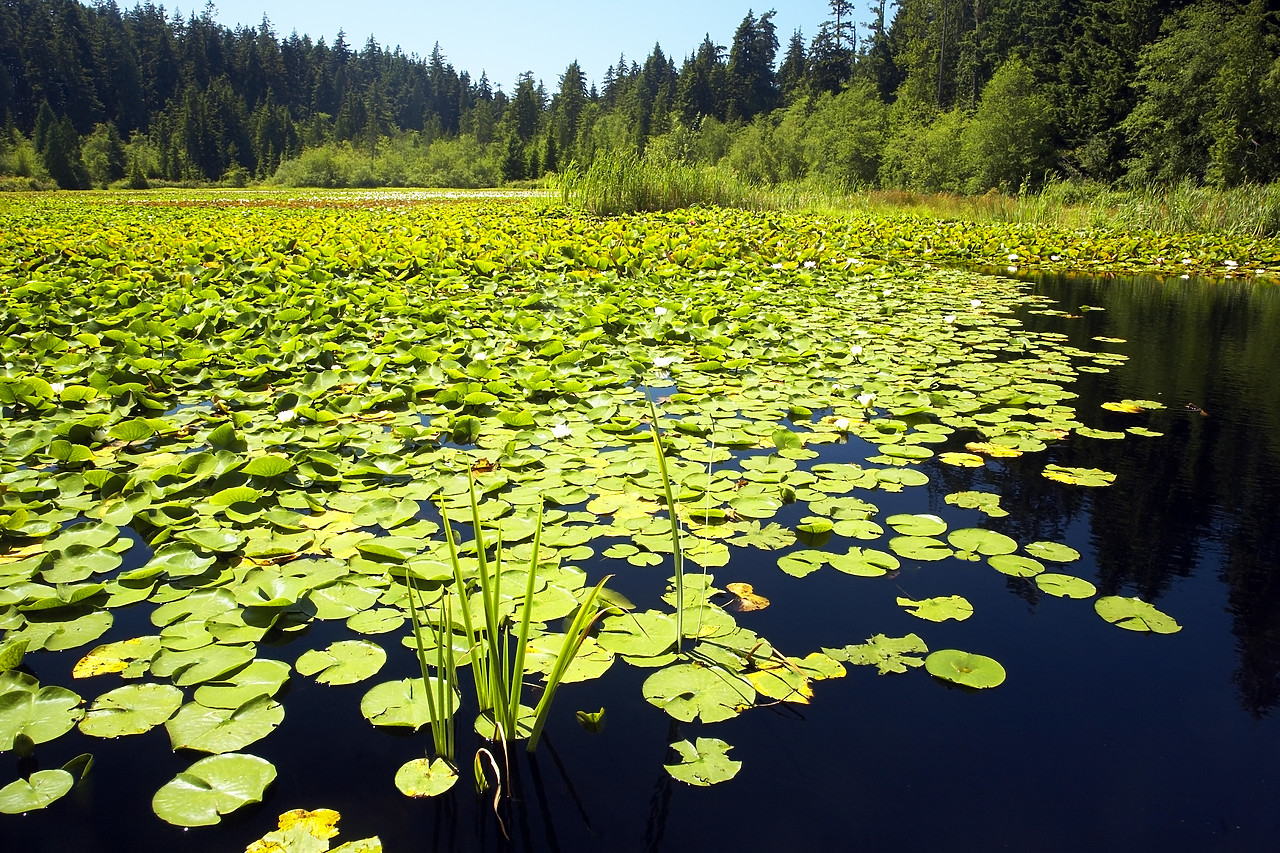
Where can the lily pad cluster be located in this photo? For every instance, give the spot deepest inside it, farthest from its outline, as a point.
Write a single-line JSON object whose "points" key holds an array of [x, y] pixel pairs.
{"points": [[244, 421]]}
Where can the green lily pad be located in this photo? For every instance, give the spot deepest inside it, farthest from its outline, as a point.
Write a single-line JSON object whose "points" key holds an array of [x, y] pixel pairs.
{"points": [[986, 542], [1065, 586], [39, 713], [343, 662], [41, 789], [689, 691], [1133, 614], [426, 778], [131, 710], [260, 678], [864, 562], [1053, 551], [212, 787], [196, 726], [1079, 476], [938, 609], [886, 654], [916, 525], [398, 703], [704, 762], [965, 668], [923, 548], [1016, 566]]}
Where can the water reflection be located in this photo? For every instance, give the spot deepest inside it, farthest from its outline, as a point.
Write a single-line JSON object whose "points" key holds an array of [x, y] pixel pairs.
{"points": [[1205, 496]]}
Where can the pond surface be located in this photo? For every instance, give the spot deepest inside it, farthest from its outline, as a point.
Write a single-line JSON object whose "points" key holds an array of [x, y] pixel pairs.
{"points": [[1100, 737]]}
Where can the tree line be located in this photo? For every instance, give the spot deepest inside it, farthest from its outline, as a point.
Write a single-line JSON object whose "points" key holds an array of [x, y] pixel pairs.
{"points": [[933, 95]]}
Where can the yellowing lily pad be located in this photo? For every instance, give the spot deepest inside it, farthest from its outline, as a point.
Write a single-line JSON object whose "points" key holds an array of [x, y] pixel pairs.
{"points": [[1079, 476]]}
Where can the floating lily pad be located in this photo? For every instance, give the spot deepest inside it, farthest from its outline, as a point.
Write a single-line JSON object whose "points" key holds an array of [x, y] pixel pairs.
{"points": [[917, 525], [41, 789], [212, 787], [39, 713], [1079, 476], [343, 662], [398, 703], [986, 542], [131, 710], [198, 727], [426, 778], [886, 654], [703, 763], [1015, 565], [1054, 552], [690, 691], [864, 562], [1065, 586], [938, 609], [965, 668], [1134, 614]]}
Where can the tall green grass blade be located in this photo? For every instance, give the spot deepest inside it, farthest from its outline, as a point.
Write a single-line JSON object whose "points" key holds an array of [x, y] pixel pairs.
{"points": [[675, 522]]}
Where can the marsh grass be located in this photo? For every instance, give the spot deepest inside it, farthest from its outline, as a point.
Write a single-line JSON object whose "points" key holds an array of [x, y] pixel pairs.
{"points": [[624, 183]]}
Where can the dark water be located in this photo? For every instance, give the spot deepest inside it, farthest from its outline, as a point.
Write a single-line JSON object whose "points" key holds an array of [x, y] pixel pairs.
{"points": [[1100, 738]]}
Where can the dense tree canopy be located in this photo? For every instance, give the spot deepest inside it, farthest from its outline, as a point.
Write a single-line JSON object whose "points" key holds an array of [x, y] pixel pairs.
{"points": [[961, 95]]}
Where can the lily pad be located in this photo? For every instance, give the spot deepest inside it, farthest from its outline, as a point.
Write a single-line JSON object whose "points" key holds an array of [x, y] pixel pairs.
{"points": [[1054, 552], [1133, 614], [41, 789], [704, 762], [196, 726], [965, 668], [938, 609], [1079, 476], [212, 787], [343, 662], [426, 778], [1065, 586], [689, 691], [886, 654], [131, 710], [39, 713]]}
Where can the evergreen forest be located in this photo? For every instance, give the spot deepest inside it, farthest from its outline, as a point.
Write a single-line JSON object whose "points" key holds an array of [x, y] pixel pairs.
{"points": [[959, 96]]}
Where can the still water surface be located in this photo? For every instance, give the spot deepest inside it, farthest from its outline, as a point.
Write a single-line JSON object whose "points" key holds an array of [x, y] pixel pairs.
{"points": [[1099, 739]]}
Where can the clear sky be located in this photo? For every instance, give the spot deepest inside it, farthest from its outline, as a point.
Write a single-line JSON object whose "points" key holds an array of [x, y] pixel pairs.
{"points": [[507, 38]]}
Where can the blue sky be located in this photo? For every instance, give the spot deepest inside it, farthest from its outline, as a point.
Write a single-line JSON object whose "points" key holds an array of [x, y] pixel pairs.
{"points": [[506, 38]]}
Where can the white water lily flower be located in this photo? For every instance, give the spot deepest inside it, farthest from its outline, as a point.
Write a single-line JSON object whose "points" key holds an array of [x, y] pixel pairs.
{"points": [[659, 310], [286, 415], [810, 264], [664, 361], [57, 387], [888, 291], [561, 431], [841, 424], [865, 399], [1013, 257], [1231, 263], [855, 350], [976, 303], [1055, 257], [776, 266], [949, 319]]}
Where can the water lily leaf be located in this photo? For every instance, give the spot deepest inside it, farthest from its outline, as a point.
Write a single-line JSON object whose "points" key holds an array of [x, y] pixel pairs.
{"points": [[916, 525], [212, 787], [1132, 614], [131, 710], [198, 727], [270, 465], [748, 600], [782, 682], [770, 538], [886, 654], [343, 662], [1016, 566], [219, 540], [58, 630], [41, 789], [196, 666], [801, 563], [938, 609], [755, 506], [923, 548], [131, 430], [965, 668], [703, 763], [131, 658], [39, 713], [865, 562], [962, 460], [379, 620], [11, 654], [993, 449], [177, 560], [1089, 432], [299, 831], [689, 691], [1054, 552], [423, 778], [638, 635], [398, 703], [1079, 476], [234, 495], [985, 502], [1065, 586], [260, 678], [986, 542]]}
